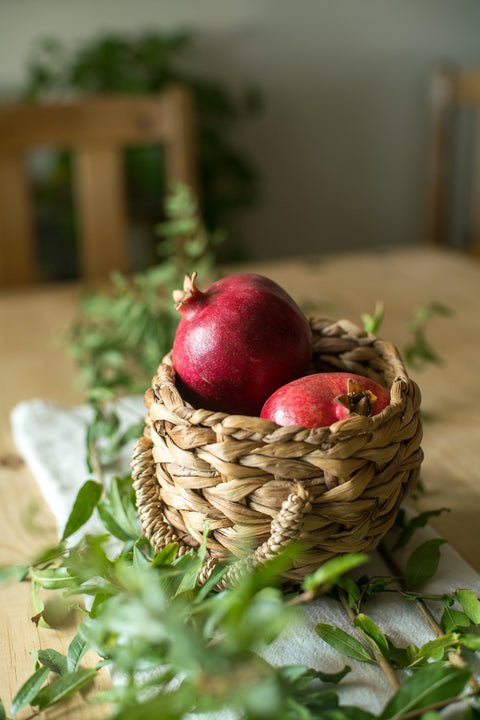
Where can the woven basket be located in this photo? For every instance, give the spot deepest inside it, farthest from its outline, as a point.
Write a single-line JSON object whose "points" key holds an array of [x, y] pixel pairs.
{"points": [[336, 489]]}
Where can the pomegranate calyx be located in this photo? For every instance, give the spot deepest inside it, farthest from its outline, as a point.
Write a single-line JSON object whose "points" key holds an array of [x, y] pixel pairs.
{"points": [[356, 399], [190, 290]]}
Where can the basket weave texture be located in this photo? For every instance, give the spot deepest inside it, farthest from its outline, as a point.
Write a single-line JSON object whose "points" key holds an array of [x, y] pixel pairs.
{"points": [[336, 489]]}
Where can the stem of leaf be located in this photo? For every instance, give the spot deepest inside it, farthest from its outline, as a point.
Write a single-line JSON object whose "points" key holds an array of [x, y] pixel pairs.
{"points": [[435, 706], [454, 656], [382, 663], [96, 464]]}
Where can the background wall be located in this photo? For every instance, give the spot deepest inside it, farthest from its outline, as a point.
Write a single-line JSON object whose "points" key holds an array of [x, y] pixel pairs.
{"points": [[341, 142]]}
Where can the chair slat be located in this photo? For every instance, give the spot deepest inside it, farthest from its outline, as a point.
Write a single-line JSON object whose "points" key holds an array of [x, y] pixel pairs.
{"points": [[17, 254], [452, 91], [100, 198]]}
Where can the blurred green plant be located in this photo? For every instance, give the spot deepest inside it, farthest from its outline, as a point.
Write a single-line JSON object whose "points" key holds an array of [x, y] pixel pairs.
{"points": [[176, 647], [120, 334], [419, 352], [146, 63]]}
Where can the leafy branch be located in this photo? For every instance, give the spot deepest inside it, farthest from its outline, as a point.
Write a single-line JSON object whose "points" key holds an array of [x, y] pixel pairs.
{"points": [[419, 352], [121, 334], [152, 622]]}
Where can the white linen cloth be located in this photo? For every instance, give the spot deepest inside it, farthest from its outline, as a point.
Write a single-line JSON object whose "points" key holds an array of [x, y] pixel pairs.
{"points": [[51, 440]]}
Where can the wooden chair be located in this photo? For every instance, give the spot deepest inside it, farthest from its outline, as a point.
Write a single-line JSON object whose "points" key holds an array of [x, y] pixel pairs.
{"points": [[96, 131], [453, 94]]}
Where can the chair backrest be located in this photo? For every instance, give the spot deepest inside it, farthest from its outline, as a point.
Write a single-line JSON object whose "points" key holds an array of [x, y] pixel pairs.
{"points": [[95, 130], [453, 93]]}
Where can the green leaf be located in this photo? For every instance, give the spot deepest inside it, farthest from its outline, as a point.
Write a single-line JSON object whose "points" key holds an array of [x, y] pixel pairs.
{"points": [[415, 523], [343, 642], [331, 571], [166, 555], [373, 632], [452, 619], [76, 650], [38, 605], [371, 323], [470, 641], [333, 677], [63, 687], [343, 713], [139, 559], [2, 711], [11, 573], [430, 684], [118, 513], [53, 660], [29, 690], [83, 507], [110, 522], [470, 604], [54, 578], [352, 590], [435, 649], [423, 562], [192, 565], [401, 657]]}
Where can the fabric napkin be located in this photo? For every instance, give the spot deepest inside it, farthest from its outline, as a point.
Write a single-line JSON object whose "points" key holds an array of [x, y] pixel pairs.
{"points": [[51, 440]]}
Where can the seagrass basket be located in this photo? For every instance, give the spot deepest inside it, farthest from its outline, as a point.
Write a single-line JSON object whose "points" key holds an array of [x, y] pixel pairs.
{"points": [[336, 489]]}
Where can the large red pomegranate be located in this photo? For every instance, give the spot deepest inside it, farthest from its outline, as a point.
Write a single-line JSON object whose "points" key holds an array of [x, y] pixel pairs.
{"points": [[237, 342], [321, 399]]}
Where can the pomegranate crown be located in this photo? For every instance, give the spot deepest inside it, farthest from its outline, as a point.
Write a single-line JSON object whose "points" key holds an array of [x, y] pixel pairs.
{"points": [[356, 399], [183, 297]]}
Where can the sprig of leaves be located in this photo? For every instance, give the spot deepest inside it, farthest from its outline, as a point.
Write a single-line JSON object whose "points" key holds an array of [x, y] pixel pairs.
{"points": [[177, 647], [121, 334], [419, 352]]}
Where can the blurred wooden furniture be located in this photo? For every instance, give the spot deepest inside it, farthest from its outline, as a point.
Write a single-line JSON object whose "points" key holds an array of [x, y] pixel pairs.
{"points": [[95, 130], [35, 367], [453, 93]]}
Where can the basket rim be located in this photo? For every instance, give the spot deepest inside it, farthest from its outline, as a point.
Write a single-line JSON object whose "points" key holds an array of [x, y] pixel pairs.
{"points": [[164, 386]]}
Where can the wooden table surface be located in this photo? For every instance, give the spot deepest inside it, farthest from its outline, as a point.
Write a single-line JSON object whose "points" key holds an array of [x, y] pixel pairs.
{"points": [[33, 366]]}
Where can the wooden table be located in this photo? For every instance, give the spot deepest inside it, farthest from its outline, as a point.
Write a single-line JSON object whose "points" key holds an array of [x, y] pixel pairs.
{"points": [[31, 365]]}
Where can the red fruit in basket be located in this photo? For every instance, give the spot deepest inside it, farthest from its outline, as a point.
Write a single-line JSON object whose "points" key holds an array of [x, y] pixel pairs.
{"points": [[321, 399], [237, 342]]}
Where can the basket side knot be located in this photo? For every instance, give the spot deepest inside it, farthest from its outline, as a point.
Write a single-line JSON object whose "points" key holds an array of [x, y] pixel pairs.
{"points": [[149, 504], [285, 527]]}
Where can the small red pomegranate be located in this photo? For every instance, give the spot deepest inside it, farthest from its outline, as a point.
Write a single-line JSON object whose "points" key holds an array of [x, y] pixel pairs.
{"points": [[321, 399], [237, 342]]}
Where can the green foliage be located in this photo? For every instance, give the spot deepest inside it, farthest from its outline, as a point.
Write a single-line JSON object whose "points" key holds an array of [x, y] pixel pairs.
{"points": [[85, 503], [416, 522], [330, 573], [419, 352], [344, 643], [121, 334], [372, 323], [147, 63], [423, 562], [177, 647], [431, 684]]}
